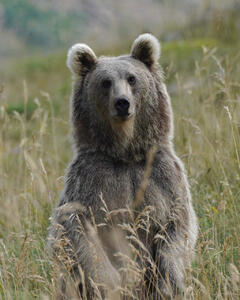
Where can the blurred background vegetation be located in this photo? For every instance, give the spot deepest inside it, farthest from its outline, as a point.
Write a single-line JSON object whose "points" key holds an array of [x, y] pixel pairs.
{"points": [[27, 26], [200, 56], [34, 36]]}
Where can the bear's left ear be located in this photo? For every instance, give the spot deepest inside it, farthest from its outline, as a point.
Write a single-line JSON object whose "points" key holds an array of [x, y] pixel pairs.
{"points": [[81, 59], [146, 48]]}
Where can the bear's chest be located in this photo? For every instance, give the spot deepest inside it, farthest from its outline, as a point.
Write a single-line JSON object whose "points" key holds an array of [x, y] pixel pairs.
{"points": [[134, 186], [108, 186]]}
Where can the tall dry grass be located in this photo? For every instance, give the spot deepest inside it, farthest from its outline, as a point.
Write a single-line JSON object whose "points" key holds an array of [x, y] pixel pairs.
{"points": [[35, 150]]}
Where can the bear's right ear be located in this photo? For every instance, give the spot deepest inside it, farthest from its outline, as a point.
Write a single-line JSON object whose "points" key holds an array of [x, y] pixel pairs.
{"points": [[80, 59]]}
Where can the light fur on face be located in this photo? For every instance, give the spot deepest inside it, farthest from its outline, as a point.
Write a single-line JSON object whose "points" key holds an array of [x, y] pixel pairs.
{"points": [[124, 129]]}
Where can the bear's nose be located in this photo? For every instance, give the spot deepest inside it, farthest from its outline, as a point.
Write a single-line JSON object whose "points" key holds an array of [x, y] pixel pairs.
{"points": [[122, 106]]}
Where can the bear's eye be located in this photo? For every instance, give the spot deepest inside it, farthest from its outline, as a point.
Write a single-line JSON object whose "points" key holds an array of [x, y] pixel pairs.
{"points": [[106, 84], [131, 80]]}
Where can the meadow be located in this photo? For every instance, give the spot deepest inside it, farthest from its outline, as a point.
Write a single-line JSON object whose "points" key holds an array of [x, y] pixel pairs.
{"points": [[203, 79]]}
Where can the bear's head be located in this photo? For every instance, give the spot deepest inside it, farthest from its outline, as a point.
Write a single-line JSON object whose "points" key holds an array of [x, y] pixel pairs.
{"points": [[120, 105]]}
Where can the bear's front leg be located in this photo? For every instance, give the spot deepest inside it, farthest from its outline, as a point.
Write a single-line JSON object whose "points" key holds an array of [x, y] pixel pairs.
{"points": [[78, 250], [172, 253]]}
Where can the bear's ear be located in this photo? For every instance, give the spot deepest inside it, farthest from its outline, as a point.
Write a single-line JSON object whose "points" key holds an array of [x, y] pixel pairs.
{"points": [[80, 59], [146, 48]]}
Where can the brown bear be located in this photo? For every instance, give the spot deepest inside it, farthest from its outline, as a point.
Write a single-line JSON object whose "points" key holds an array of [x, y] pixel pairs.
{"points": [[125, 185]]}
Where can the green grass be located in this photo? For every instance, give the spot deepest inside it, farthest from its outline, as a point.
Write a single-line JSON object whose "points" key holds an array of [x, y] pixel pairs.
{"points": [[35, 150]]}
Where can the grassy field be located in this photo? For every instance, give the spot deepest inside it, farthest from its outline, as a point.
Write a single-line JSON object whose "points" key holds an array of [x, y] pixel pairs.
{"points": [[203, 78]]}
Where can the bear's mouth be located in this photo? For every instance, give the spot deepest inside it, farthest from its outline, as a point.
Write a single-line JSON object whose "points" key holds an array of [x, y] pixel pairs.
{"points": [[122, 118]]}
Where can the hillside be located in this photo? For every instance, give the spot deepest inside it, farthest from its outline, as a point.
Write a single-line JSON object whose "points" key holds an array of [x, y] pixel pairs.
{"points": [[27, 26]]}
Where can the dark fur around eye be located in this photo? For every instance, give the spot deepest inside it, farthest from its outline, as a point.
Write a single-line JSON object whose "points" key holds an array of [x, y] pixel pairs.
{"points": [[131, 80], [106, 84]]}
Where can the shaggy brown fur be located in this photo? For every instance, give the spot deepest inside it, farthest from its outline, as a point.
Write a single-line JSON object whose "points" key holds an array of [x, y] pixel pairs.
{"points": [[111, 149]]}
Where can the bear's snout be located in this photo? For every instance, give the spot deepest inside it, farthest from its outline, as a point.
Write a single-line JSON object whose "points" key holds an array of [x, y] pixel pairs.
{"points": [[122, 106]]}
